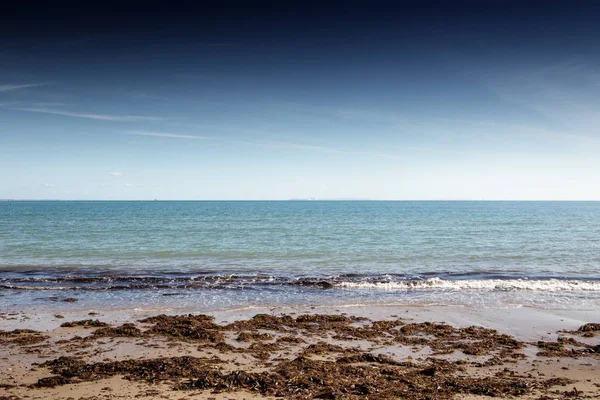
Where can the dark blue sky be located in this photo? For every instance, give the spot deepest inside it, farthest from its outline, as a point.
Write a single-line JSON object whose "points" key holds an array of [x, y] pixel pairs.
{"points": [[396, 100]]}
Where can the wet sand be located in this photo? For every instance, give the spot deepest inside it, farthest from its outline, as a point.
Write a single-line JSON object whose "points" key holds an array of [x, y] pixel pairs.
{"points": [[332, 353]]}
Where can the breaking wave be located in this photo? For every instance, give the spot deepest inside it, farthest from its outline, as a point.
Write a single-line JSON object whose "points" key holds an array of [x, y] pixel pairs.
{"points": [[544, 285], [425, 282]]}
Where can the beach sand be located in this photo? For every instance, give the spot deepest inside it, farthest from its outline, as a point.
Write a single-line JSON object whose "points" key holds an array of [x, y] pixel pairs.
{"points": [[374, 352]]}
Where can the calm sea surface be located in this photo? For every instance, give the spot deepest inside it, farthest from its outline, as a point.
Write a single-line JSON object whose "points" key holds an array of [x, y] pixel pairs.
{"points": [[218, 255]]}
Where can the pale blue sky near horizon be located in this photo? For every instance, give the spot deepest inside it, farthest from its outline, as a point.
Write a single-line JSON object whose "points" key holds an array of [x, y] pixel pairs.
{"points": [[244, 119]]}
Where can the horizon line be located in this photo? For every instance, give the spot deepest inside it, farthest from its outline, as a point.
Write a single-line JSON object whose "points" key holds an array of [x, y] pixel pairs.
{"points": [[303, 200]]}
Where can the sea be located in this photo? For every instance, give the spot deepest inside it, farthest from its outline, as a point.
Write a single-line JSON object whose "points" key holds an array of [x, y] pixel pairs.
{"points": [[221, 255]]}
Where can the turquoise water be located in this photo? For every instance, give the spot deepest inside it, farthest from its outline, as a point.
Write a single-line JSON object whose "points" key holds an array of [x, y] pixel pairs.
{"points": [[207, 255]]}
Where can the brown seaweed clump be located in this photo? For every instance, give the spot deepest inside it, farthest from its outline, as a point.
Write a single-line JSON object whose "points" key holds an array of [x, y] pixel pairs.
{"points": [[302, 378], [263, 321], [473, 340], [590, 327], [589, 330], [85, 323], [586, 330], [70, 300], [21, 337], [324, 347], [12, 397], [566, 347], [70, 369], [309, 323], [190, 327], [246, 336], [125, 330]]}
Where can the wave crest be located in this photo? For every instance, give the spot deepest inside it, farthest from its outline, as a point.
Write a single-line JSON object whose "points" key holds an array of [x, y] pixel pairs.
{"points": [[545, 285]]}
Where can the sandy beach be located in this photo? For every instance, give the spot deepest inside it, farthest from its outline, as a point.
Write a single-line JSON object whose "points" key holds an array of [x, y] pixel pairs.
{"points": [[339, 352]]}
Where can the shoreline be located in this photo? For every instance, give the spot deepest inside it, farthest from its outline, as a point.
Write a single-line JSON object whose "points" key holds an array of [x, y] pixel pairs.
{"points": [[540, 351], [77, 293]]}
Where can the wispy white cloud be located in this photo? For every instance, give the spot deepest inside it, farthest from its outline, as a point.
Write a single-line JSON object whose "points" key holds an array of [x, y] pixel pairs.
{"points": [[299, 146], [565, 92], [9, 87], [167, 135], [532, 132], [48, 104], [8, 104], [48, 185], [267, 144], [103, 117], [116, 173]]}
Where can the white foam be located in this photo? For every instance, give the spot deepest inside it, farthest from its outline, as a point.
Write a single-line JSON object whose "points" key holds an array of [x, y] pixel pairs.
{"points": [[545, 285]]}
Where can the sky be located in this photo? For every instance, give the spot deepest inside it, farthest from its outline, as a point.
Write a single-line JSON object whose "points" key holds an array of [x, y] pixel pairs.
{"points": [[493, 100]]}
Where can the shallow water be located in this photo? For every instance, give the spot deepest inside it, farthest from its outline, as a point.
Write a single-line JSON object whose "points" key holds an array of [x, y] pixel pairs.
{"points": [[218, 255]]}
